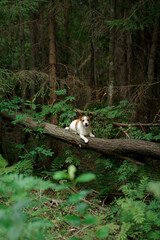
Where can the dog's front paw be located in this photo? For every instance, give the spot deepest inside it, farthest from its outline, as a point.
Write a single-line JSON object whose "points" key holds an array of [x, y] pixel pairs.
{"points": [[91, 135], [86, 140]]}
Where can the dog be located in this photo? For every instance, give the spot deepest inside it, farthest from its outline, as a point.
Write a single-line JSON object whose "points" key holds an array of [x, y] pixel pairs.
{"points": [[82, 127]]}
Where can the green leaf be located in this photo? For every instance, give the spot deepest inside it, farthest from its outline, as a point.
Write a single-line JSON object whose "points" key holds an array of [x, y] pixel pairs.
{"points": [[61, 92], [73, 220], [71, 172], [33, 106], [154, 187], [74, 198], [82, 207], [103, 233], [87, 177], [60, 175], [90, 220]]}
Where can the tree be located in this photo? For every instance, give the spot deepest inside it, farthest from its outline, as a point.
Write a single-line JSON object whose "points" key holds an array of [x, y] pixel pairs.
{"points": [[111, 76], [52, 57]]}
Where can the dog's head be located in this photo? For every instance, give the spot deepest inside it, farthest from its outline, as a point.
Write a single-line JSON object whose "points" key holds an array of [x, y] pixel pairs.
{"points": [[85, 120]]}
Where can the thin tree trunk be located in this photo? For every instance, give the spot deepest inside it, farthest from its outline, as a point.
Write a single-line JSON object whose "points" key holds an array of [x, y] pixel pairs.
{"points": [[32, 40], [152, 57], [129, 61], [22, 42], [111, 56], [67, 29], [22, 59], [52, 58], [52, 72], [93, 58], [32, 63], [42, 38], [150, 93]]}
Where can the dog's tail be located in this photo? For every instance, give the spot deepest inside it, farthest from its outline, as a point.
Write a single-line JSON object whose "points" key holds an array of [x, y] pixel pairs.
{"points": [[67, 128]]}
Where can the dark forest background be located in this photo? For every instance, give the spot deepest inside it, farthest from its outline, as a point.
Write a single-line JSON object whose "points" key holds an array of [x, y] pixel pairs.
{"points": [[100, 51]]}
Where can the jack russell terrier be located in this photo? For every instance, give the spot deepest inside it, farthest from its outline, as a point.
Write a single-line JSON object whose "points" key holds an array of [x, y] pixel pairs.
{"points": [[82, 127]]}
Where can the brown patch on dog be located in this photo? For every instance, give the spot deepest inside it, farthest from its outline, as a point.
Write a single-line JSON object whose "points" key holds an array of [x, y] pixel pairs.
{"points": [[76, 123]]}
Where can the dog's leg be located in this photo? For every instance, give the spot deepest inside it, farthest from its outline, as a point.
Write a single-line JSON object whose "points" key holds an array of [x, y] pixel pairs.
{"points": [[84, 138], [91, 135]]}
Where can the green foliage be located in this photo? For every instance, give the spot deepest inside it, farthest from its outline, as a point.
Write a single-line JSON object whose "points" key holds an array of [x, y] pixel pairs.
{"points": [[106, 115], [16, 200], [82, 216], [106, 119], [64, 108], [3, 166], [7, 82], [11, 105]]}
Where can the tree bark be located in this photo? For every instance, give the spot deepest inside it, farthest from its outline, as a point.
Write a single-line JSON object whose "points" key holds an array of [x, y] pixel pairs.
{"points": [[22, 42], [22, 59], [152, 57], [93, 81], [112, 147], [111, 56], [67, 30], [52, 58], [33, 33]]}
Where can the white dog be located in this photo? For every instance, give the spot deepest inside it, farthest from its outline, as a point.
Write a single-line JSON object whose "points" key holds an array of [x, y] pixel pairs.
{"points": [[82, 127]]}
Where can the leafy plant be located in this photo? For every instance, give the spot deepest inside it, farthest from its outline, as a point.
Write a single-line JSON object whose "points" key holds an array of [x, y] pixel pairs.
{"points": [[16, 200], [82, 216]]}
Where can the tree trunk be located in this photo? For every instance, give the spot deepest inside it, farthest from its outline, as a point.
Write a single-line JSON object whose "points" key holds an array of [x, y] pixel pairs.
{"points": [[152, 56], [52, 58], [22, 59], [32, 40], [129, 62], [93, 82], [22, 42], [112, 147], [44, 59], [67, 30], [152, 103], [111, 56]]}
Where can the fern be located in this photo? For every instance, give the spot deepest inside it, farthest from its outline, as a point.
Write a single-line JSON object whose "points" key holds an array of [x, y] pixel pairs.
{"points": [[57, 164], [126, 170], [139, 214], [3, 167], [123, 233], [24, 166]]}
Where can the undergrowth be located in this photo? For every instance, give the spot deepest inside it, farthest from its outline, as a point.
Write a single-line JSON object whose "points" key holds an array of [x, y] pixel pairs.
{"points": [[82, 195]]}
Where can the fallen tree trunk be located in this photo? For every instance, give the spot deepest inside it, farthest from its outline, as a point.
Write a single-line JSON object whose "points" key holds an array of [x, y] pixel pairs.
{"points": [[110, 147]]}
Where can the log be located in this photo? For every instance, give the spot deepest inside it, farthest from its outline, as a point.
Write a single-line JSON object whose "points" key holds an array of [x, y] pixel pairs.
{"points": [[110, 147]]}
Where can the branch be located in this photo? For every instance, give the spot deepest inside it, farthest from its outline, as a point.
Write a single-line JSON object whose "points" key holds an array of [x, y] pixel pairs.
{"points": [[112, 147], [121, 124]]}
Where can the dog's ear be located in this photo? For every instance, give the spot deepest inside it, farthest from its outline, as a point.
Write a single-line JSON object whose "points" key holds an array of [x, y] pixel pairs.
{"points": [[90, 115], [80, 117]]}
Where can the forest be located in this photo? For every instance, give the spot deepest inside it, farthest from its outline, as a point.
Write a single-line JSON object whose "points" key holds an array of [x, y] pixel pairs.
{"points": [[60, 60]]}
